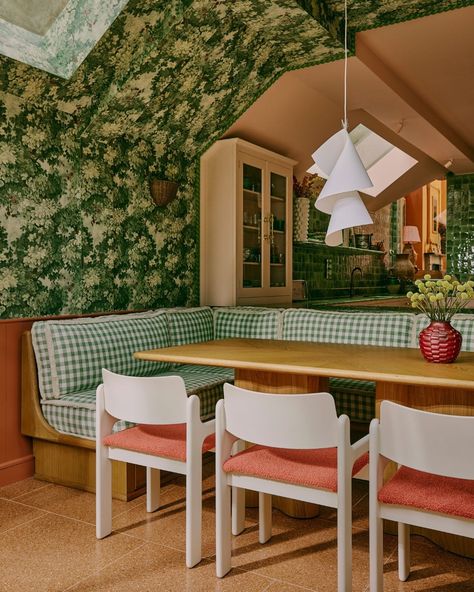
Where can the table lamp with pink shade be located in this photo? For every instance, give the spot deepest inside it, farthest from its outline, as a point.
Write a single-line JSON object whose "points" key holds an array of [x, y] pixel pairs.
{"points": [[411, 235]]}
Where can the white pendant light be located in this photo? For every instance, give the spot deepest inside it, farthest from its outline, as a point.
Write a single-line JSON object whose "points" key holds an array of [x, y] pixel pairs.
{"points": [[337, 161]]}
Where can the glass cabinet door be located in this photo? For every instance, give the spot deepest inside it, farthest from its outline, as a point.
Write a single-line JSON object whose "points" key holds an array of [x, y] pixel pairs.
{"points": [[278, 229], [252, 276]]}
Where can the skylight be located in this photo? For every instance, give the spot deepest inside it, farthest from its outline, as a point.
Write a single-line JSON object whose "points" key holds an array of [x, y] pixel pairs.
{"points": [[384, 162]]}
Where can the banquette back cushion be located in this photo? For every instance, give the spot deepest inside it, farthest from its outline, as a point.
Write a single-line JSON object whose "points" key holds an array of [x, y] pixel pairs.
{"points": [[250, 322], [190, 325], [381, 329], [70, 354]]}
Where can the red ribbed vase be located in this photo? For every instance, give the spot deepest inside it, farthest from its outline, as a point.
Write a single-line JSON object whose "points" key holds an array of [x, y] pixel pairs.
{"points": [[440, 342]]}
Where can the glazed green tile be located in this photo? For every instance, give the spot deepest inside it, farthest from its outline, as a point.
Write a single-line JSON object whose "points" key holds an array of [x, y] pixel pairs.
{"points": [[460, 236]]}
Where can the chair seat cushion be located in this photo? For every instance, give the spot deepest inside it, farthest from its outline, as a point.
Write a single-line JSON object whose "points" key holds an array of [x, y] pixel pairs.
{"points": [[75, 414], [434, 493], [311, 468], [160, 440]]}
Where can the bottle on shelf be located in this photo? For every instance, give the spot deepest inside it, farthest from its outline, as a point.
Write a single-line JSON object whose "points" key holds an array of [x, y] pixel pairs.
{"points": [[274, 253]]}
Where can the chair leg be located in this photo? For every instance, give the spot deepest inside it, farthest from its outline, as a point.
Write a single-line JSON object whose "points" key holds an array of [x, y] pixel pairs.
{"points": [[238, 510], [152, 489], [344, 542], [264, 517], [194, 509], [223, 526], [376, 551], [403, 551], [103, 495]]}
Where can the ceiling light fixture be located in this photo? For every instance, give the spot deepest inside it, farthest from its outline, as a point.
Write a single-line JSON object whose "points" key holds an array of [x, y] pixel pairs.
{"points": [[338, 161]]}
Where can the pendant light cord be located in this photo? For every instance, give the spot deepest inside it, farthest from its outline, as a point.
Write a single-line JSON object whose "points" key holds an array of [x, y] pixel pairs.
{"points": [[345, 122]]}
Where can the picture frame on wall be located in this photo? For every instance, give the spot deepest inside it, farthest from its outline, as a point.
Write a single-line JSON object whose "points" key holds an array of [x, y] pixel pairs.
{"points": [[434, 208]]}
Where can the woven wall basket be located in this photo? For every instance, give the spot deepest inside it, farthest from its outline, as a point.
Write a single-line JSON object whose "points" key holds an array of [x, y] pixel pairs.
{"points": [[163, 192]]}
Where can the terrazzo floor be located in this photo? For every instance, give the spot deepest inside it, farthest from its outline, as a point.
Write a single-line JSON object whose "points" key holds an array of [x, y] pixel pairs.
{"points": [[48, 544]]}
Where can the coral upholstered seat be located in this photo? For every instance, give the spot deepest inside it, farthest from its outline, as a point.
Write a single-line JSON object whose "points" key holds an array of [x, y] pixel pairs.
{"points": [[310, 468], [429, 492], [168, 441], [301, 450], [433, 487], [170, 436]]}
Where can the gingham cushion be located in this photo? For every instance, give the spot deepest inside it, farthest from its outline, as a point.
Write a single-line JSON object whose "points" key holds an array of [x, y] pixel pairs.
{"points": [[75, 413], [464, 323], [382, 329], [355, 398], [70, 354], [250, 322], [190, 325]]}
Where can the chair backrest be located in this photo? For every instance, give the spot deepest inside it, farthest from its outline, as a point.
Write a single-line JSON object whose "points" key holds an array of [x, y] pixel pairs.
{"points": [[429, 442], [148, 400], [281, 421]]}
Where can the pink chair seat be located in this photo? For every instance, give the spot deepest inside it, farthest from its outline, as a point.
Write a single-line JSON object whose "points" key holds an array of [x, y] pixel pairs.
{"points": [[311, 468], [434, 493], [160, 440]]}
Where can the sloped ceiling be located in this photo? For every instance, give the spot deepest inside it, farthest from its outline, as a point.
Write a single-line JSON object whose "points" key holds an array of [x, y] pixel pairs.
{"points": [[415, 78], [57, 35], [54, 35]]}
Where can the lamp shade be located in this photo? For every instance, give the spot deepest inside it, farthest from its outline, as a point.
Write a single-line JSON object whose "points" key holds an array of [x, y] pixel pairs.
{"points": [[348, 211], [411, 234], [338, 161]]}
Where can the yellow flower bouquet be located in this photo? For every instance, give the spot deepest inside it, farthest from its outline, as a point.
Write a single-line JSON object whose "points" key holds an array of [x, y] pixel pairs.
{"points": [[441, 299]]}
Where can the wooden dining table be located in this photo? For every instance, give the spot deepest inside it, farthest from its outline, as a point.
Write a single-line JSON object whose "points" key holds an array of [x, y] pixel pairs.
{"points": [[400, 374]]}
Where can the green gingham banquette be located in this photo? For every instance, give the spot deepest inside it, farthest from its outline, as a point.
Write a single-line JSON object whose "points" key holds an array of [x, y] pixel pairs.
{"points": [[70, 354]]}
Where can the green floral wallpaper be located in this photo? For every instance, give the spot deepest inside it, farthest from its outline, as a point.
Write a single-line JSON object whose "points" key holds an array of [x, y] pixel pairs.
{"points": [[78, 230]]}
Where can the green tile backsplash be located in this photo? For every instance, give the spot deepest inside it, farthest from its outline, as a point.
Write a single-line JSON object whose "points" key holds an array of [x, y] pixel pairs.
{"points": [[460, 236], [309, 264]]}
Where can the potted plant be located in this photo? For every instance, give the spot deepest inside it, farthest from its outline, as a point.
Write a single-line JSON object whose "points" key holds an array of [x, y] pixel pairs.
{"points": [[440, 300]]}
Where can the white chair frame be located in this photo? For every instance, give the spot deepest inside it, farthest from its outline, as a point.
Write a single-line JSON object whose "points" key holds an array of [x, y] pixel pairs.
{"points": [[305, 421], [429, 442], [154, 401]]}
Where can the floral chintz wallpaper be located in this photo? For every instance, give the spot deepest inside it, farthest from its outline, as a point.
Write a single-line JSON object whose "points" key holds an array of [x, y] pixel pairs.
{"points": [[79, 232]]}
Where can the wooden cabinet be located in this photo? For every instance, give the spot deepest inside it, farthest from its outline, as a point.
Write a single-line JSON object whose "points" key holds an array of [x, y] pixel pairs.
{"points": [[246, 225]]}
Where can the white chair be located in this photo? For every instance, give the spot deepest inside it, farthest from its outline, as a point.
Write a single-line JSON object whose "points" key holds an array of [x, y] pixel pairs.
{"points": [[433, 486], [301, 451], [170, 436]]}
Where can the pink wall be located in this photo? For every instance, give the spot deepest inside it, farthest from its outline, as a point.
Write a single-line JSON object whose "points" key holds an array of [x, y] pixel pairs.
{"points": [[16, 457]]}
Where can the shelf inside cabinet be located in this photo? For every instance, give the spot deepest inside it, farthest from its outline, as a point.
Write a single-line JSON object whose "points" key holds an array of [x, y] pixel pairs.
{"points": [[278, 231], [251, 263], [252, 192], [251, 227], [276, 198]]}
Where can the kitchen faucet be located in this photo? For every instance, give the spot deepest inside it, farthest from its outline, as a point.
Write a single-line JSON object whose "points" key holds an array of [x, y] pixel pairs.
{"points": [[351, 289]]}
